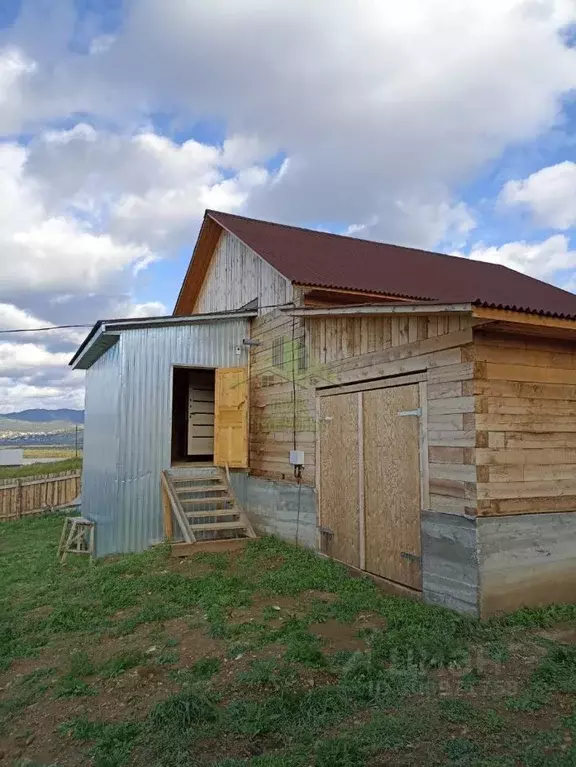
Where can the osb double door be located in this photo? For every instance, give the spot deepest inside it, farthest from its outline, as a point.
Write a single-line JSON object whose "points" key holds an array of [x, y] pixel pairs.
{"points": [[370, 481]]}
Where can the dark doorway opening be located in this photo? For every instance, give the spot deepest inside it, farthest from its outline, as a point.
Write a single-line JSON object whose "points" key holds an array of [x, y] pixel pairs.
{"points": [[193, 415]]}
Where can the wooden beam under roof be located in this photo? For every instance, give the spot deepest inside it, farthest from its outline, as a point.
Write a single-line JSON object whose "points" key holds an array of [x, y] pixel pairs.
{"points": [[379, 309]]}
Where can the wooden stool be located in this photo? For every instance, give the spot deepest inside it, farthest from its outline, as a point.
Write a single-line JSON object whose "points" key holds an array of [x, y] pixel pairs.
{"points": [[77, 538]]}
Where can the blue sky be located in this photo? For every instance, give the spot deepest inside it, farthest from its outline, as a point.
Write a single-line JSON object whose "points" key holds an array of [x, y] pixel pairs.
{"points": [[448, 126]]}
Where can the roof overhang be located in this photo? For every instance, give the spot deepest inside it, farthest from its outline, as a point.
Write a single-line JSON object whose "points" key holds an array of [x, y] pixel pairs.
{"points": [[519, 317], [515, 320], [370, 310], [106, 333]]}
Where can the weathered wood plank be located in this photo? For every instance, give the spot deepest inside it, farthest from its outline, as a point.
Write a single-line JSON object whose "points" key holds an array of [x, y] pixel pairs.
{"points": [[528, 423], [540, 489], [460, 472], [536, 456]]}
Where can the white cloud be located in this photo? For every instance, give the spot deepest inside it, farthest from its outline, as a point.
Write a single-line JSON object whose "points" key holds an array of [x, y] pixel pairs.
{"points": [[144, 188], [15, 68], [549, 260], [16, 394], [383, 102], [436, 222], [383, 112], [42, 251], [550, 195], [13, 318], [28, 357], [129, 309]]}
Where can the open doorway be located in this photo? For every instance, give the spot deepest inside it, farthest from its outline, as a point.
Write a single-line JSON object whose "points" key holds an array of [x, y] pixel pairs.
{"points": [[193, 415]]}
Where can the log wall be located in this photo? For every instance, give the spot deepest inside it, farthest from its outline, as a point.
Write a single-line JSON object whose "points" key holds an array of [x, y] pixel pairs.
{"points": [[525, 393]]}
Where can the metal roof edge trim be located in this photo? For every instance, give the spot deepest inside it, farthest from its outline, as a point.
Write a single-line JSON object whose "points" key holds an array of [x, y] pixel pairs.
{"points": [[522, 309], [112, 328]]}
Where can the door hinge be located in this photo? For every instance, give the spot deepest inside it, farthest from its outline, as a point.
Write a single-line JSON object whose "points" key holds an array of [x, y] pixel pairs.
{"points": [[417, 411], [411, 557]]}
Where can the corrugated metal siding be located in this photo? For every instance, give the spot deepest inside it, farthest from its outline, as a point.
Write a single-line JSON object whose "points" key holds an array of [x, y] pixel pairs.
{"points": [[144, 422], [101, 447]]}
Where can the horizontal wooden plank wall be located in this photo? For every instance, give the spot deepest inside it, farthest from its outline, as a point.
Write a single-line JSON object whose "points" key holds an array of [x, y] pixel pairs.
{"points": [[348, 350], [526, 420], [272, 398], [25, 496]]}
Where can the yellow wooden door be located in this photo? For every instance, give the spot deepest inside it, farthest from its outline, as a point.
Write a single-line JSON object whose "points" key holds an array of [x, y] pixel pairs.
{"points": [[231, 418], [392, 484]]}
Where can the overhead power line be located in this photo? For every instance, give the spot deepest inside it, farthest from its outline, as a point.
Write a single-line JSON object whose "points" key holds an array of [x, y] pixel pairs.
{"points": [[50, 327], [285, 305]]}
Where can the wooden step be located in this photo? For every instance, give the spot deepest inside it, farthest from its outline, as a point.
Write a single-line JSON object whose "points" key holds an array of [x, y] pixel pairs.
{"points": [[201, 489], [218, 502], [213, 476], [216, 513], [211, 501], [239, 525]]}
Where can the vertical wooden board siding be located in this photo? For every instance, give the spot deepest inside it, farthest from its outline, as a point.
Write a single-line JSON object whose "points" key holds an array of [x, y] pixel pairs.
{"points": [[32, 496], [361, 475], [338, 338], [526, 416], [237, 276], [423, 439], [338, 425], [392, 484], [231, 418]]}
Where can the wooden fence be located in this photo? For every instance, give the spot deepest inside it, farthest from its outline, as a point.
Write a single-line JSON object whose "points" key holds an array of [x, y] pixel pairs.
{"points": [[35, 495]]}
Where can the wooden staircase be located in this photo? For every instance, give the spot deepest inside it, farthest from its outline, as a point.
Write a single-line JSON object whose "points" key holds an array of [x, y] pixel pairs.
{"points": [[206, 510]]}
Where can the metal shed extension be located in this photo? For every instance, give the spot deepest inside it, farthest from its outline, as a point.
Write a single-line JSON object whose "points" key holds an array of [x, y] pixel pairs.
{"points": [[127, 440]]}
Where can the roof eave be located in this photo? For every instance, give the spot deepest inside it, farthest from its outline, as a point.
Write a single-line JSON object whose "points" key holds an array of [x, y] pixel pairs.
{"points": [[110, 329], [381, 309]]}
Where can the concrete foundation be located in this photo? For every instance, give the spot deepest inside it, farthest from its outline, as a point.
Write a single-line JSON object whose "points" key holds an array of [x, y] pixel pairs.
{"points": [[526, 560], [278, 508], [450, 573], [478, 566]]}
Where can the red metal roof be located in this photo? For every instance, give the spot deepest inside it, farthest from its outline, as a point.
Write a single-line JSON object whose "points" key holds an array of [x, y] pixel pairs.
{"points": [[308, 257]]}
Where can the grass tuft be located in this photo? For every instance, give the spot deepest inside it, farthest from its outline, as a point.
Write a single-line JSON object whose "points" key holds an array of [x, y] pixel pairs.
{"points": [[124, 661], [182, 711]]}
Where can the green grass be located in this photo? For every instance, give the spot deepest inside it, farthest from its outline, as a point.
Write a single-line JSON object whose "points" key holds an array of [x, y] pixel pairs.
{"points": [[267, 692], [35, 469]]}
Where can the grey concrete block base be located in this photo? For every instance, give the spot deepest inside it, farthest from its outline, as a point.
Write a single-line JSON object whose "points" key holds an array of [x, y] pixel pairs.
{"points": [[450, 572], [278, 508]]}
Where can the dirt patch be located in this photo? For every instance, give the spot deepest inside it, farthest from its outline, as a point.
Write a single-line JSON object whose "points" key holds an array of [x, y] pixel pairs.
{"points": [[33, 732], [193, 643], [346, 636], [565, 634], [338, 636]]}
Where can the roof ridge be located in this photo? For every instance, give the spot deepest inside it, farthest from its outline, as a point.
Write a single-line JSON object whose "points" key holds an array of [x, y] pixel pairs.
{"points": [[490, 264], [331, 234]]}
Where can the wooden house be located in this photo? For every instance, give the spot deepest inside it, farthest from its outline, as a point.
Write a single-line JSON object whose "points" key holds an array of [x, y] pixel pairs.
{"points": [[433, 397], [410, 414]]}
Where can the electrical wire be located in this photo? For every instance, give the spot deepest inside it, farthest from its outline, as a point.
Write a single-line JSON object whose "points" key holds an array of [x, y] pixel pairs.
{"points": [[285, 305], [40, 330]]}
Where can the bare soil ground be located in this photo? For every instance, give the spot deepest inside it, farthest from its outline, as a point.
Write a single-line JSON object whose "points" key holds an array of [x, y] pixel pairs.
{"points": [[269, 657]]}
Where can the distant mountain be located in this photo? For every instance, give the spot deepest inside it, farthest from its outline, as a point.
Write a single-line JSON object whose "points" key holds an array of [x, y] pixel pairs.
{"points": [[45, 416]]}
